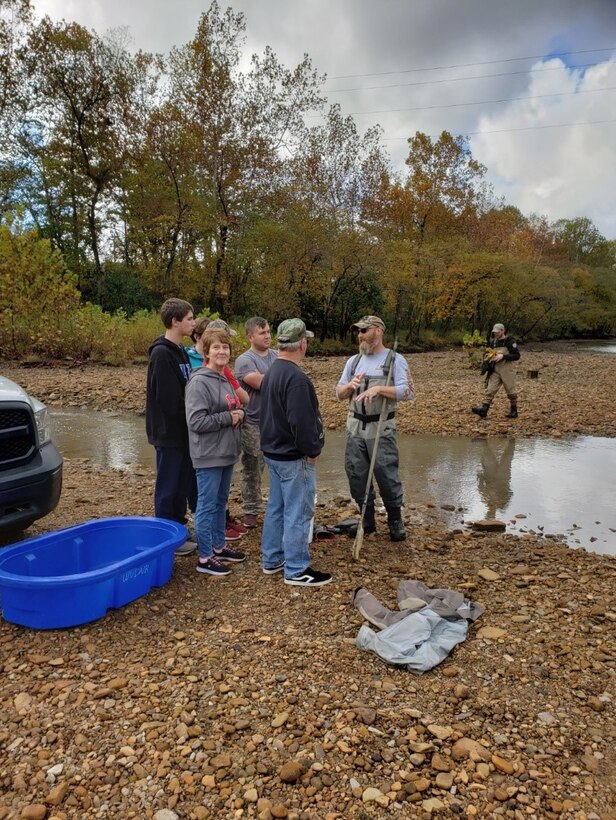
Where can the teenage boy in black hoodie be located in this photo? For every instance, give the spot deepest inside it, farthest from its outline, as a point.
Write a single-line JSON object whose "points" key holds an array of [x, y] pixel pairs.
{"points": [[165, 416]]}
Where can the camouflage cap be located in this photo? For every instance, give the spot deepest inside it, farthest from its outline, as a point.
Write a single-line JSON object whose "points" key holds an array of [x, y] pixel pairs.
{"points": [[293, 330], [220, 324], [498, 326], [368, 321]]}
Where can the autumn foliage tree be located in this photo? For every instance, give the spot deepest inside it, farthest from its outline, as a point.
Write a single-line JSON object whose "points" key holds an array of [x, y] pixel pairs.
{"points": [[230, 183], [81, 104], [37, 292]]}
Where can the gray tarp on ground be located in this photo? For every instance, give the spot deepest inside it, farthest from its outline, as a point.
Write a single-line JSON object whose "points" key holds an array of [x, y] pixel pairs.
{"points": [[431, 622]]}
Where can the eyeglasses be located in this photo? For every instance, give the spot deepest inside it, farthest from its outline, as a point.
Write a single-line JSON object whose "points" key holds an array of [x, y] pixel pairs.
{"points": [[363, 329]]}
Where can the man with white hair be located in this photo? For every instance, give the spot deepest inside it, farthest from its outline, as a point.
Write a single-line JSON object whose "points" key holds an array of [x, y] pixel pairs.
{"points": [[364, 382]]}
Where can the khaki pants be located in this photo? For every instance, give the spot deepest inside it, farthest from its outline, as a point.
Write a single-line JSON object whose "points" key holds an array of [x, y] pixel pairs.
{"points": [[252, 469], [504, 373]]}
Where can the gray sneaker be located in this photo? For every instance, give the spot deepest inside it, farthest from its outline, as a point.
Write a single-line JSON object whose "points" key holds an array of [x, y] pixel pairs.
{"points": [[187, 548]]}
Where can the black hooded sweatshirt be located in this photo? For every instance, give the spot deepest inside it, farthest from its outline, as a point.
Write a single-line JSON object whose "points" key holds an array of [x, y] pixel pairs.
{"points": [[165, 416]]}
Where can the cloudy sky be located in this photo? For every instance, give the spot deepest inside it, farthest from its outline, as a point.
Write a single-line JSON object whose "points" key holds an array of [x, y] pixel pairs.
{"points": [[531, 82]]}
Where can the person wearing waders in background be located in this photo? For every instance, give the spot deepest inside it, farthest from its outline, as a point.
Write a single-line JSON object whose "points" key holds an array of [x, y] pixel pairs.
{"points": [[501, 370], [364, 384]]}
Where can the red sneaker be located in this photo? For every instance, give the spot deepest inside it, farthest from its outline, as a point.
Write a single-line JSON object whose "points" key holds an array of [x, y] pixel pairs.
{"points": [[234, 524], [251, 520], [232, 535]]}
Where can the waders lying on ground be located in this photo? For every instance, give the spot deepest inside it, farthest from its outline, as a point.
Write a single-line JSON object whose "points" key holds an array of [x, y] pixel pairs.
{"points": [[359, 537]]}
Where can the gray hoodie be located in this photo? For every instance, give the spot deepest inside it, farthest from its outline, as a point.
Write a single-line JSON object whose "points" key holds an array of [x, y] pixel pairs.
{"points": [[209, 400]]}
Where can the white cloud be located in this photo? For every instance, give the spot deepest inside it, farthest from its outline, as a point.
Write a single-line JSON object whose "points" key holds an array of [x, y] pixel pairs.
{"points": [[560, 172]]}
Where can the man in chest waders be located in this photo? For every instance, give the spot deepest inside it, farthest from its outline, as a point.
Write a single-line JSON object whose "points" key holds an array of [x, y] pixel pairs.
{"points": [[501, 371], [364, 384]]}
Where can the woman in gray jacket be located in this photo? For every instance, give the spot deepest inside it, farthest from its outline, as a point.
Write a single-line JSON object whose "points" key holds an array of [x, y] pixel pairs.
{"points": [[213, 416]]}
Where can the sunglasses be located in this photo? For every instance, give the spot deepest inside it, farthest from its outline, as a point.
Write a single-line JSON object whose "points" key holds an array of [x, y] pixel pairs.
{"points": [[363, 329]]}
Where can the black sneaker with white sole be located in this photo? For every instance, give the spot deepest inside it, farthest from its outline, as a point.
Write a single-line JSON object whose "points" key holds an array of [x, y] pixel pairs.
{"points": [[309, 578], [227, 553], [213, 566], [273, 570]]}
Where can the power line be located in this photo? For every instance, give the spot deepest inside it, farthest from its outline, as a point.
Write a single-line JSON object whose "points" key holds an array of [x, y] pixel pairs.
{"points": [[468, 65], [480, 102], [511, 130], [452, 79]]}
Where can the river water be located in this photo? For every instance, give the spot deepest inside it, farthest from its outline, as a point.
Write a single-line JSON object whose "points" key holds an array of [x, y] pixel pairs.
{"points": [[591, 346], [536, 485]]}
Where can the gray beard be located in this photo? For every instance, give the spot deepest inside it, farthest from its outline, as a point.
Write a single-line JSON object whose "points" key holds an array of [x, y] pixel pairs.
{"points": [[366, 348]]}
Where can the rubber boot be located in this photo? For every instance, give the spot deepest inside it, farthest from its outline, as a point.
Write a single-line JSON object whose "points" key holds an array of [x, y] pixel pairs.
{"points": [[369, 520], [513, 413], [394, 521], [482, 410]]}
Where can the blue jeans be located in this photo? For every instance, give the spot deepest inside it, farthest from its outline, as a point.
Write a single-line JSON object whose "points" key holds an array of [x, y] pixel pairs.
{"points": [[289, 511], [213, 484]]}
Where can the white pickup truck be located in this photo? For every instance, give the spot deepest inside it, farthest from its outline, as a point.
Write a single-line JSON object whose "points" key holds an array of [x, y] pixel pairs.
{"points": [[30, 464]]}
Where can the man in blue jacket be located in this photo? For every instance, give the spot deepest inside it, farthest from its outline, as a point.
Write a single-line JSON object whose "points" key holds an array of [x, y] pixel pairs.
{"points": [[291, 439]]}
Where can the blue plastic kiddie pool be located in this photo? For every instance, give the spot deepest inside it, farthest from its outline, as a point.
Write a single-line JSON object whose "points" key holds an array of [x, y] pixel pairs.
{"points": [[73, 576]]}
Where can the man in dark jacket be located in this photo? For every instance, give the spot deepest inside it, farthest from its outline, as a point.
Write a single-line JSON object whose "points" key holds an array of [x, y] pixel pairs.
{"points": [[291, 439], [502, 371], [165, 417]]}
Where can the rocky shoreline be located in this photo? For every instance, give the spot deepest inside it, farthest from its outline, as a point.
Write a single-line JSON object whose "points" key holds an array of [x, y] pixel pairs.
{"points": [[573, 394], [241, 697]]}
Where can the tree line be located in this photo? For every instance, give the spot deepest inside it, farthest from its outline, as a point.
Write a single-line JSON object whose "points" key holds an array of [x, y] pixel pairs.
{"points": [[147, 176]]}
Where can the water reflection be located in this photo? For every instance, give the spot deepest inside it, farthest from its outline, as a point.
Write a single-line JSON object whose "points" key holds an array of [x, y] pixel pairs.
{"points": [[494, 476], [534, 484], [114, 441], [563, 487]]}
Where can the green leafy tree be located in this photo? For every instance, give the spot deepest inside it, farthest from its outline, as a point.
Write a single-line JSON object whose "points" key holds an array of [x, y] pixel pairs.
{"points": [[37, 293], [15, 22], [241, 123], [156, 203], [82, 104], [581, 239], [336, 172]]}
